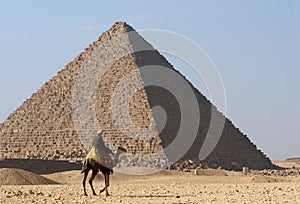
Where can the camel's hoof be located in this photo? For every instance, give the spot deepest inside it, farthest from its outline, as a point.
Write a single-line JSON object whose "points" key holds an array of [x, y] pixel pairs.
{"points": [[85, 194], [94, 194], [107, 194]]}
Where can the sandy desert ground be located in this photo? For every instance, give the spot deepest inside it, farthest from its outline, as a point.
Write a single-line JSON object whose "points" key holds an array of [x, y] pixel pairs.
{"points": [[161, 187]]}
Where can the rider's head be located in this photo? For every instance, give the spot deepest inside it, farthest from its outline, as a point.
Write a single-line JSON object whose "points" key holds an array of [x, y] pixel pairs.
{"points": [[100, 132]]}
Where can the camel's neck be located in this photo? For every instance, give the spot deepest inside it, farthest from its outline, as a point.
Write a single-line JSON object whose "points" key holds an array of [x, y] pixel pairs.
{"points": [[116, 156], [120, 150]]}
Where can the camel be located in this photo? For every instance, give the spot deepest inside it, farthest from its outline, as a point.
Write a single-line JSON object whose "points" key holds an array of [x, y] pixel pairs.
{"points": [[90, 164]]}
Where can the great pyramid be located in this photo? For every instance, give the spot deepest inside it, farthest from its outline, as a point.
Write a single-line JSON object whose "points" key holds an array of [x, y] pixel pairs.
{"points": [[90, 93]]}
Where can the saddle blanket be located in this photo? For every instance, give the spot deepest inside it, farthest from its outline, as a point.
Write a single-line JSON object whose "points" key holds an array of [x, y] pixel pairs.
{"points": [[100, 157]]}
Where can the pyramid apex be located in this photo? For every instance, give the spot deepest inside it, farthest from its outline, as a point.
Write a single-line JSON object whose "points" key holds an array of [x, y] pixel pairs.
{"points": [[122, 24], [116, 29], [120, 27]]}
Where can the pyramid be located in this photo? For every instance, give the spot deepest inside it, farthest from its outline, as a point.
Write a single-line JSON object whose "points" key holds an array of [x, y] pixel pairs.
{"points": [[108, 87]]}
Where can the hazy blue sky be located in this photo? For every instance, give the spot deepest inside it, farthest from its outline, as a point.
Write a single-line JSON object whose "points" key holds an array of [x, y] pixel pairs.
{"points": [[254, 44]]}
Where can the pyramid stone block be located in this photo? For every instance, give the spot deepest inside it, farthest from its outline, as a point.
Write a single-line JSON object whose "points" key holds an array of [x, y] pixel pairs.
{"points": [[104, 88]]}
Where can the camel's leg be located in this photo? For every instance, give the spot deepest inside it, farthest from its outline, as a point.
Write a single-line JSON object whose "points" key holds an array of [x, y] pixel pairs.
{"points": [[107, 184], [106, 178], [86, 172], [94, 173]]}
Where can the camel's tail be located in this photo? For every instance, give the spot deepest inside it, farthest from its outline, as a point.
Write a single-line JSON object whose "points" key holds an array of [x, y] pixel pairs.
{"points": [[84, 166]]}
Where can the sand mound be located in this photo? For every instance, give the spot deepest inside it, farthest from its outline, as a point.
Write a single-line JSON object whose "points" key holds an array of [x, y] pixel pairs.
{"points": [[257, 179], [287, 163], [11, 176], [70, 177]]}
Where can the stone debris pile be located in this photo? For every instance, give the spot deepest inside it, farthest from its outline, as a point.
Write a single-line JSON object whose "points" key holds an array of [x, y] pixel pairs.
{"points": [[295, 171]]}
